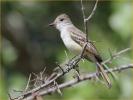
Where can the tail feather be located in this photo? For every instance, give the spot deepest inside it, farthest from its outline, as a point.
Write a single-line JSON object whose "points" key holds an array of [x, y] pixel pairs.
{"points": [[104, 74]]}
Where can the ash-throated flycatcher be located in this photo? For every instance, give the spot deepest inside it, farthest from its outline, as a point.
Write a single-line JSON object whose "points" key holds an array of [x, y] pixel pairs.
{"points": [[74, 40]]}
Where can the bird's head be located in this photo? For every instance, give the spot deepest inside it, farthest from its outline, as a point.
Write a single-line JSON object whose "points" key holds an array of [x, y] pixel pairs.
{"points": [[61, 21]]}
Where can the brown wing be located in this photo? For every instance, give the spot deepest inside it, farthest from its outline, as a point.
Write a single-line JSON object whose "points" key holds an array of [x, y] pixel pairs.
{"points": [[80, 38]]}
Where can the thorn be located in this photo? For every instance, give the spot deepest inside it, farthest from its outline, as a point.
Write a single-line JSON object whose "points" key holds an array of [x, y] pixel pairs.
{"points": [[34, 74], [29, 79], [110, 53], [43, 70], [66, 55], [77, 74], [58, 89], [17, 91]]}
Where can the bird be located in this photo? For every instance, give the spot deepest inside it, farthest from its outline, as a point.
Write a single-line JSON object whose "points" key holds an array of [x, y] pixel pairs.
{"points": [[74, 40]]}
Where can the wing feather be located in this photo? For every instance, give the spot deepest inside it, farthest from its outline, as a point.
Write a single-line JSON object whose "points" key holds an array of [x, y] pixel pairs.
{"points": [[80, 38]]}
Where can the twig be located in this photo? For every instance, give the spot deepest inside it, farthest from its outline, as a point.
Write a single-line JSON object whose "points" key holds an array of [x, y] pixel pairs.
{"points": [[93, 11], [84, 17], [76, 81], [43, 70], [18, 91], [42, 74], [27, 83], [88, 18], [116, 55]]}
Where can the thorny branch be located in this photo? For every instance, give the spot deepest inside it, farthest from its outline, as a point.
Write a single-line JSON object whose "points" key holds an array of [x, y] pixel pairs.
{"points": [[115, 55], [80, 79], [61, 71]]}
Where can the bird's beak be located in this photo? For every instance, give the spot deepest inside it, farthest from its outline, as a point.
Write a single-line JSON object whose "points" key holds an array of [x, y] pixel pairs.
{"points": [[52, 24]]}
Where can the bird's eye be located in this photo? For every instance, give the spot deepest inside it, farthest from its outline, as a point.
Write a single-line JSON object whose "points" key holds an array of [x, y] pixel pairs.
{"points": [[61, 19]]}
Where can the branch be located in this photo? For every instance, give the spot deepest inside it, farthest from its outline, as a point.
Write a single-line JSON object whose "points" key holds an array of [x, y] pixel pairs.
{"points": [[88, 18], [84, 17], [67, 67], [93, 11], [116, 55], [61, 72], [80, 79]]}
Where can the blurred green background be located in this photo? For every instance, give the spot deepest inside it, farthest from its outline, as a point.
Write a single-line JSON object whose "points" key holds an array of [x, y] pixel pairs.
{"points": [[29, 45]]}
